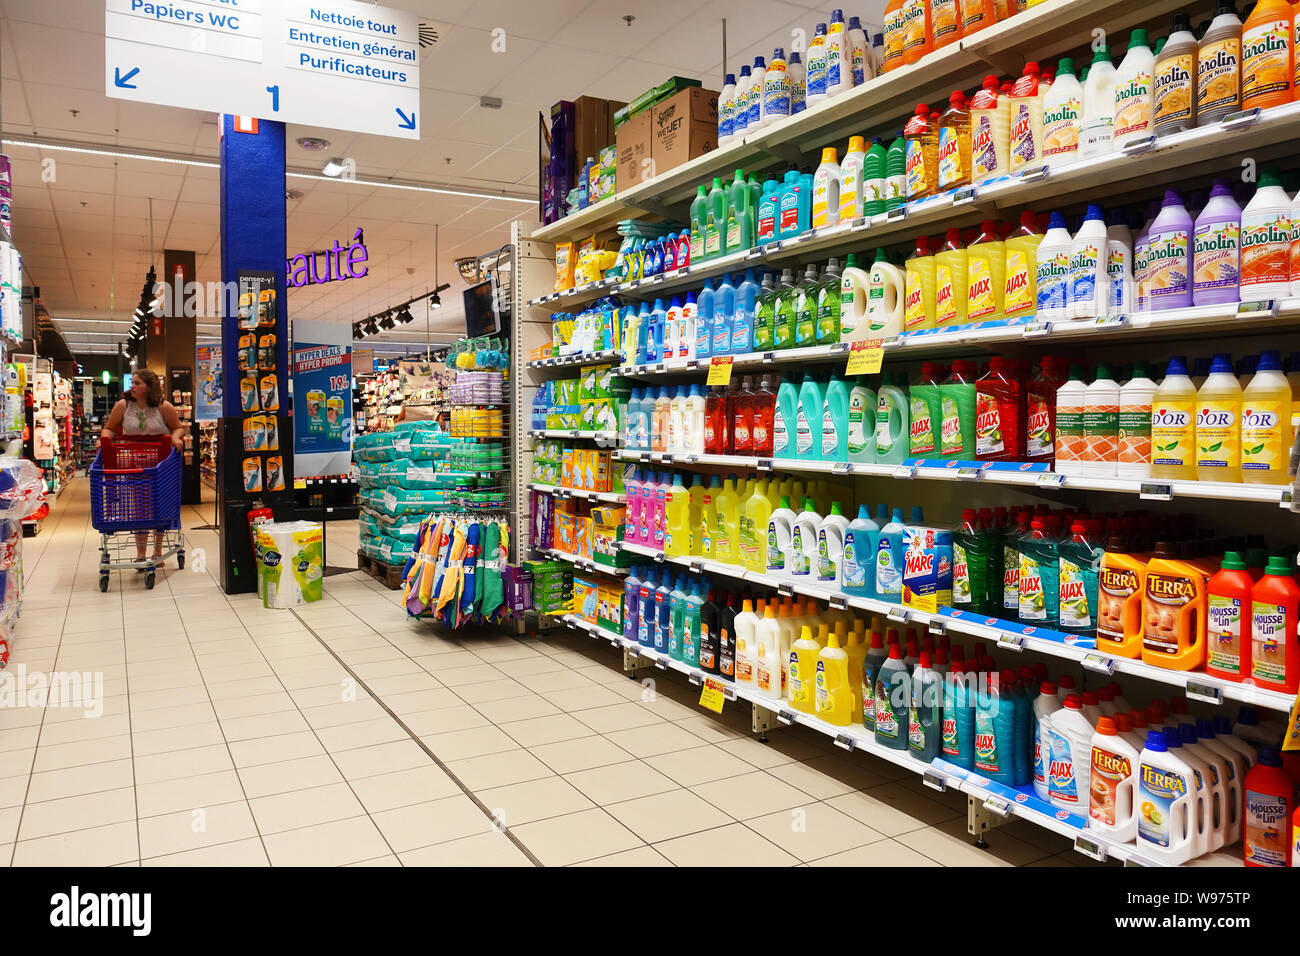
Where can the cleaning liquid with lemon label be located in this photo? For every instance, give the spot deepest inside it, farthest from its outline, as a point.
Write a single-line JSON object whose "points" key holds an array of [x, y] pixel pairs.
{"points": [[1265, 427], [1218, 424], [1173, 424]]}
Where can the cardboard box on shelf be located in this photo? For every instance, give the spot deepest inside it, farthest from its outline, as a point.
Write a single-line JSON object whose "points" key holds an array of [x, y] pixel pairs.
{"points": [[633, 144], [685, 126]]}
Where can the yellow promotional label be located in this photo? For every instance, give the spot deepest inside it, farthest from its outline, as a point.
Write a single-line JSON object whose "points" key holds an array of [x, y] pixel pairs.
{"points": [[979, 290], [1218, 75], [711, 695], [1264, 432], [1173, 432], [1218, 434], [720, 370], [865, 357], [1020, 293], [1175, 89], [1266, 62]]}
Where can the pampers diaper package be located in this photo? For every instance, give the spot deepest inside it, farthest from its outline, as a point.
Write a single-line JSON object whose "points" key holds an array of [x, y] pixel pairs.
{"points": [[291, 568]]}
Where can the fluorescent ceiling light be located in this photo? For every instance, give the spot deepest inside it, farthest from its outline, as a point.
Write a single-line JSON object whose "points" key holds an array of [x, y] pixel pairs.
{"points": [[115, 153]]}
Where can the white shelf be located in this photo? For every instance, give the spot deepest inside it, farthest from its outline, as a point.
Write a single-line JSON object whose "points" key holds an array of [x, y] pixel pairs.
{"points": [[1197, 685], [561, 492], [582, 564], [1146, 488], [570, 361], [607, 436], [939, 775]]}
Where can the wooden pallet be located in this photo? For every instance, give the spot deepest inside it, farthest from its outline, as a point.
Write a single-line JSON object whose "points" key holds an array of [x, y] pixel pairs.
{"points": [[390, 574]]}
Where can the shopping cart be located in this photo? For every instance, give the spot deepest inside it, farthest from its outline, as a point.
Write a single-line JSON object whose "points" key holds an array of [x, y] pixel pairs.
{"points": [[135, 488]]}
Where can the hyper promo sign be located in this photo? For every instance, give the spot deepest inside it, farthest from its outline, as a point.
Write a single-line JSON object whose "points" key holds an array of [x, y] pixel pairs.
{"points": [[339, 64]]}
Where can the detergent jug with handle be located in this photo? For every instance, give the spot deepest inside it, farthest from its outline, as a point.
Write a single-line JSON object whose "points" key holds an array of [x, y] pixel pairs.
{"points": [[1173, 612]]}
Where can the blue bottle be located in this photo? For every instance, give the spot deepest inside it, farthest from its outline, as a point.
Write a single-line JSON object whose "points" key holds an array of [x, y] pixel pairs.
{"points": [[1023, 757], [691, 626], [742, 325], [805, 203], [995, 728], [584, 185], [957, 739], [677, 615], [655, 337], [663, 613], [642, 332], [724, 309], [705, 304], [861, 541], [918, 517], [646, 620], [632, 604], [765, 225], [787, 223], [890, 549]]}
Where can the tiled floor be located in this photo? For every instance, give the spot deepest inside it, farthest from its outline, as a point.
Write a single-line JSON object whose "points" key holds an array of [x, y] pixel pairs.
{"points": [[343, 733]]}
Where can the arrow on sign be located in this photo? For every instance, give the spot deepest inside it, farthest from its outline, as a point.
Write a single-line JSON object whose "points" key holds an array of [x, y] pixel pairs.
{"points": [[120, 80], [407, 122]]}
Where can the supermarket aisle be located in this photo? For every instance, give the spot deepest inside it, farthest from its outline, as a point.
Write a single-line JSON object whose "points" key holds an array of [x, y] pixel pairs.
{"points": [[345, 734]]}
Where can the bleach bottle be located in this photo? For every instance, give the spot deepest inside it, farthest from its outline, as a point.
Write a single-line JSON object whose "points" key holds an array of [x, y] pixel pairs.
{"points": [[890, 550], [1046, 704], [1165, 790], [1069, 770]]}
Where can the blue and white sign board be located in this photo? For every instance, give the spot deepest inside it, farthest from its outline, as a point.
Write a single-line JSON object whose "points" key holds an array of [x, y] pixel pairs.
{"points": [[322, 398], [339, 64]]}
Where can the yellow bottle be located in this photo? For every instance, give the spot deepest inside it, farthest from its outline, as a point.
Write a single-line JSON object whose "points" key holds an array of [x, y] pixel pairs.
{"points": [[1173, 424], [726, 525], [758, 508], [709, 518], [856, 649], [918, 302], [823, 634], [833, 693], [1218, 424], [802, 688], [950, 282], [677, 511], [696, 496], [1020, 284], [985, 275], [1293, 376], [1265, 430]]}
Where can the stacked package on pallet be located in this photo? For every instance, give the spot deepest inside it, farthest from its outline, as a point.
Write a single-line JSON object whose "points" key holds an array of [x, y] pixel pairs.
{"points": [[404, 477]]}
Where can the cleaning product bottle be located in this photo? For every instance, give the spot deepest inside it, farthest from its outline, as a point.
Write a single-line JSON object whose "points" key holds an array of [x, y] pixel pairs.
{"points": [[829, 307], [1121, 584], [1228, 619], [816, 79], [1218, 424], [1265, 434], [1213, 774], [1233, 774], [985, 269], [1053, 271], [1020, 285], [1040, 409], [1045, 706], [826, 190], [780, 532], [746, 630], [919, 304], [862, 423], [699, 221], [925, 712], [918, 35], [1173, 612], [1026, 147], [950, 282], [839, 56], [1168, 256], [1062, 115], [852, 186], [727, 639], [803, 672], [1216, 252], [896, 172], [1265, 235], [1097, 122], [1133, 82], [1173, 425], [921, 136], [798, 83], [999, 414], [1078, 567], [803, 543], [776, 89], [995, 728], [785, 421], [892, 425], [990, 133], [1088, 256], [764, 314], [1135, 398], [1173, 97], [1119, 263], [957, 412], [873, 181], [663, 614], [835, 421], [1275, 654], [886, 296], [926, 413], [876, 655], [1039, 596], [785, 316], [1198, 787], [805, 327], [832, 693], [744, 95], [1270, 803], [891, 697], [677, 514], [1218, 67], [808, 418], [726, 510], [954, 144], [1165, 786], [829, 565], [742, 322], [1112, 809], [767, 655], [970, 565], [861, 540], [1268, 55], [715, 223], [957, 729], [1101, 424], [1069, 742], [724, 315], [861, 67], [1011, 543]]}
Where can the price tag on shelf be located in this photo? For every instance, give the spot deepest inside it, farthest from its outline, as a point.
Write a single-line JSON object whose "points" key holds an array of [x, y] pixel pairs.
{"points": [[964, 195], [1036, 329], [1050, 479], [660, 664], [1139, 145], [1264, 309], [763, 464], [1012, 642], [897, 214], [299, 484], [935, 781], [838, 601], [897, 614], [1239, 119], [841, 468], [844, 742], [785, 717], [1155, 491], [1197, 689], [712, 696], [1090, 847], [938, 627], [720, 370], [1099, 663], [865, 357], [785, 590], [997, 805], [905, 471]]}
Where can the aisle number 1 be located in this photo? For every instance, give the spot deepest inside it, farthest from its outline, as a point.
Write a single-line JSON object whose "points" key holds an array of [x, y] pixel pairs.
{"points": [[865, 357]]}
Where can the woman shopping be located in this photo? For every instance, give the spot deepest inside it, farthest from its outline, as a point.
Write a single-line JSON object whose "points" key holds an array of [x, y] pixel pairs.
{"points": [[144, 414]]}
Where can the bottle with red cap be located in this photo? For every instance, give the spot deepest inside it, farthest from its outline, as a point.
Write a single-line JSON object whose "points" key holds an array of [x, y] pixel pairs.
{"points": [[1270, 802], [957, 727], [1069, 769], [875, 656], [999, 414], [1124, 725], [1091, 706], [1079, 577], [1112, 809], [1040, 411], [995, 723], [1046, 705], [892, 701]]}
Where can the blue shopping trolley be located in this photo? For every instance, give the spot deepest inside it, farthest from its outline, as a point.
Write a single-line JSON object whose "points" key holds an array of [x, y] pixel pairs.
{"points": [[135, 488]]}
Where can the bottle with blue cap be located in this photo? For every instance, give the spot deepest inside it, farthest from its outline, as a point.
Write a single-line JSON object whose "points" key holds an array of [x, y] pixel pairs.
{"points": [[1215, 780], [757, 114], [1265, 423], [776, 88], [1166, 800], [1053, 270], [1088, 255], [727, 110], [1218, 424], [1173, 424], [744, 90]]}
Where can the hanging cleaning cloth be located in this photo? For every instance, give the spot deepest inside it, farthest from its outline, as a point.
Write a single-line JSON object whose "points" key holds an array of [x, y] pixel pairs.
{"points": [[470, 564], [453, 572], [490, 582]]}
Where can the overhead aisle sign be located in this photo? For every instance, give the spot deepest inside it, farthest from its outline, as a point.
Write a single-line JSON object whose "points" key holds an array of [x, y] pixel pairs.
{"points": [[334, 63]]}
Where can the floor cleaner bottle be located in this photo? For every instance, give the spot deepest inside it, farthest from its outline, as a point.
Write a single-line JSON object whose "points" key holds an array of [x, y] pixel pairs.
{"points": [[746, 630], [834, 442], [1045, 705], [875, 656], [990, 132], [1268, 55], [891, 697], [957, 729], [1275, 603], [1112, 809], [767, 655], [1165, 789], [1026, 120], [861, 541], [803, 543], [798, 83], [802, 671], [776, 89], [926, 413], [1173, 97], [1053, 271], [832, 693], [1229, 619], [1133, 86], [1265, 434], [826, 190], [1168, 255], [808, 419], [950, 281], [805, 326], [1088, 256], [986, 274], [829, 307], [1233, 775], [890, 551], [970, 560], [1216, 788], [831, 533], [886, 295], [892, 424], [862, 423], [1070, 764], [1265, 239], [852, 194], [1218, 424], [922, 168], [957, 412], [925, 711], [1101, 424], [1173, 424], [1098, 119], [919, 304], [1173, 612], [816, 79], [1062, 115], [954, 144], [1218, 67]]}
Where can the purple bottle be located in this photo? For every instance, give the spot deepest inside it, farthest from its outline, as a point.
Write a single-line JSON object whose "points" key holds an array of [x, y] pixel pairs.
{"points": [[1216, 249], [1141, 244], [1169, 255]]}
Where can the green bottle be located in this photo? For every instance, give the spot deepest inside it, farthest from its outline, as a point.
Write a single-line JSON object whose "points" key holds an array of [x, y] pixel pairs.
{"points": [[740, 216], [765, 314], [896, 173], [873, 179], [805, 329], [786, 303], [699, 219], [755, 197], [828, 305], [971, 553], [715, 219]]}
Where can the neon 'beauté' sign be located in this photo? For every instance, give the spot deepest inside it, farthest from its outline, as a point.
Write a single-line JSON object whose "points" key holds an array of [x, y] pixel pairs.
{"points": [[331, 265]]}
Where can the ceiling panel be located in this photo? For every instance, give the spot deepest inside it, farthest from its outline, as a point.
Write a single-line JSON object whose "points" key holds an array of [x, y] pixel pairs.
{"points": [[469, 61]]}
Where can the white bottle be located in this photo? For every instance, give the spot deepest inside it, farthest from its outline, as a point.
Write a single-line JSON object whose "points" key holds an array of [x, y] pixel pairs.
{"points": [[1133, 85], [1062, 114], [1234, 775], [676, 422], [727, 111], [780, 531], [839, 56], [885, 295], [826, 190], [767, 655], [1121, 704], [1198, 789], [1216, 789], [816, 94], [1047, 703], [1098, 118], [746, 633], [1091, 708], [1053, 271], [672, 330], [1101, 399], [852, 188], [829, 571], [1088, 267], [798, 83], [1135, 397], [744, 87], [776, 88], [690, 318], [1112, 809], [1166, 833], [693, 442], [1070, 399], [803, 544], [1264, 222], [878, 53], [757, 109], [1120, 290], [1068, 775], [859, 53]]}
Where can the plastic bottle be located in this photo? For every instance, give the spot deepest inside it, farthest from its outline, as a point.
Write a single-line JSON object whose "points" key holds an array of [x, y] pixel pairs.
{"points": [[691, 623], [1069, 768], [803, 672], [1040, 409], [892, 425], [858, 569], [746, 630], [1133, 91], [1173, 612], [808, 417], [889, 560], [1112, 809], [985, 271], [1214, 777], [839, 56], [1269, 806], [1012, 540], [1101, 424], [834, 443], [826, 190], [861, 68], [957, 412], [1039, 601], [990, 133], [805, 327], [829, 567], [803, 543], [816, 78], [1052, 267], [1173, 425], [851, 186], [1135, 403], [919, 303], [1062, 116], [1265, 236], [896, 172], [1274, 653], [741, 213], [776, 89], [1080, 561], [873, 181], [1026, 147], [1267, 55], [1119, 295], [1265, 432], [886, 296], [892, 699], [1218, 68], [999, 414], [797, 73], [1046, 705], [970, 565], [1097, 122], [925, 711], [1173, 98], [767, 655], [715, 222], [663, 614], [861, 445], [1020, 280], [875, 656], [995, 727], [957, 730], [1168, 256], [1216, 252], [950, 281], [1165, 799], [785, 314], [1218, 424], [785, 421], [1088, 258], [918, 37], [954, 144], [922, 168], [780, 531], [832, 694], [726, 115], [829, 307]]}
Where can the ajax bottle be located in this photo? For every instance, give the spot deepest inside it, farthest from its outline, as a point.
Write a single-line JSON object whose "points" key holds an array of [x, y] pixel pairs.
{"points": [[1165, 803], [999, 413], [891, 700], [954, 146], [1039, 598], [985, 274], [957, 734], [1218, 67], [1062, 114], [950, 282], [1026, 120], [1040, 409], [1173, 612], [990, 132], [970, 566], [995, 727], [1274, 653], [926, 413], [1112, 809], [1173, 424], [1069, 769], [1173, 102], [1045, 705], [1133, 81], [957, 412], [922, 168], [1098, 120], [1080, 561], [1218, 424], [1265, 238], [1020, 287], [919, 305], [1267, 55], [834, 696]]}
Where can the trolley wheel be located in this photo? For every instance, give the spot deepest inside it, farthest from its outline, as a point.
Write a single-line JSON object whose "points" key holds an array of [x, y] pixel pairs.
{"points": [[180, 560], [149, 580], [103, 582]]}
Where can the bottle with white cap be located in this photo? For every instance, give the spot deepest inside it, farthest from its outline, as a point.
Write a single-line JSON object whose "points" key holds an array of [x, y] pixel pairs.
{"points": [[1198, 787], [1216, 786], [1234, 775]]}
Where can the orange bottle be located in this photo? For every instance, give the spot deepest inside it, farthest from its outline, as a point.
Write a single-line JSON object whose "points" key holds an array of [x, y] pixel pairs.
{"points": [[1173, 612], [1121, 582], [893, 17], [918, 33], [1227, 633], [1267, 55], [1274, 653], [945, 22], [976, 15]]}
